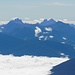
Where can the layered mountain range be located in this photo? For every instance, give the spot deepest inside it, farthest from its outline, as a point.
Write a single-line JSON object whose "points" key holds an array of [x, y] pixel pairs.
{"points": [[48, 38]]}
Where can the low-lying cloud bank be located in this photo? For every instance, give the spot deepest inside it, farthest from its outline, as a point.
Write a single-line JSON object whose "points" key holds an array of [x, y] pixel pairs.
{"points": [[39, 21], [28, 65]]}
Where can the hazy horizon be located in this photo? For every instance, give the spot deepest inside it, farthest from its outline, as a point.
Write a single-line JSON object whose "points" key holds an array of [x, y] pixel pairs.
{"points": [[34, 9]]}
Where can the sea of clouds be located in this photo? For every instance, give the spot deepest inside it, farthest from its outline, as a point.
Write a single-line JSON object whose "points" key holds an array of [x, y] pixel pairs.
{"points": [[27, 20], [28, 65]]}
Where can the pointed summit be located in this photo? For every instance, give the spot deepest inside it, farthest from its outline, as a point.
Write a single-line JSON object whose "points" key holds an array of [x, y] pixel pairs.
{"points": [[52, 20], [17, 21], [13, 25], [48, 22]]}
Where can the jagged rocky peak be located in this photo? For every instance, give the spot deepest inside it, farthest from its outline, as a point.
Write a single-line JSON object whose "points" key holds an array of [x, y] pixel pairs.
{"points": [[48, 22], [16, 20], [52, 20]]}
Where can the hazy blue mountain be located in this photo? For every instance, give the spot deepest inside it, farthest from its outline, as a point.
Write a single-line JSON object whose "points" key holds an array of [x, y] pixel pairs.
{"points": [[46, 22], [61, 32], [18, 47], [19, 29], [49, 38], [66, 68], [12, 25]]}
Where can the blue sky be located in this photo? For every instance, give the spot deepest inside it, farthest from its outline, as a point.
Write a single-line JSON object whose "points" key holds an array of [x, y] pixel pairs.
{"points": [[35, 9]]}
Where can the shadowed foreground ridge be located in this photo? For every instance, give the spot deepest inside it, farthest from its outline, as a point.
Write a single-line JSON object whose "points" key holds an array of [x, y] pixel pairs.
{"points": [[66, 68]]}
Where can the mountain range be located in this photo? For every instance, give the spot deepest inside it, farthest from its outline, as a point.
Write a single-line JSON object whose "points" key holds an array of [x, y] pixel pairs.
{"points": [[48, 38]]}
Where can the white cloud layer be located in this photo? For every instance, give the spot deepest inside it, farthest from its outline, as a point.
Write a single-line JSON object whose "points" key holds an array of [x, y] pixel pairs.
{"points": [[68, 21], [3, 22], [27, 20], [27, 65]]}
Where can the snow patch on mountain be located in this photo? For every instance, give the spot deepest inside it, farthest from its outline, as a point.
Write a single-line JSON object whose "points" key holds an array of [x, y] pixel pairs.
{"points": [[46, 38], [37, 31], [63, 55], [48, 29], [63, 42], [51, 36], [2, 27], [40, 37], [64, 38]]}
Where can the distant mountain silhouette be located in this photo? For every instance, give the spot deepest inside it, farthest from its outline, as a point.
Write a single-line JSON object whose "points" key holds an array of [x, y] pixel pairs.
{"points": [[19, 29], [59, 31], [66, 68], [49, 28], [48, 38], [48, 22]]}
